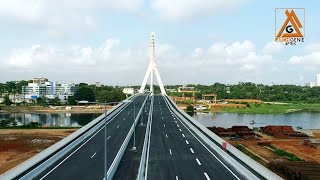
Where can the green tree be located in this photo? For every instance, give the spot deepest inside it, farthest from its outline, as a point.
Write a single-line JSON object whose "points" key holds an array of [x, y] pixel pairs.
{"points": [[84, 93], [7, 101], [72, 100]]}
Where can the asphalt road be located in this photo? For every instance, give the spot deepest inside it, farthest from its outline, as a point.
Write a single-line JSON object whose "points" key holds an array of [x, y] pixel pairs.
{"points": [[175, 153], [87, 160]]}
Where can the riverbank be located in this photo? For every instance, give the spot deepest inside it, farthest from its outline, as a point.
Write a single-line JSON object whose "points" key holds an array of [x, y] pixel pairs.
{"points": [[58, 109], [273, 108], [18, 145]]}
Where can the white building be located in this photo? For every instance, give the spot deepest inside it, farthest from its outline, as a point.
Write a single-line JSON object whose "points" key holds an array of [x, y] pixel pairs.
{"points": [[41, 87], [128, 91], [310, 84], [318, 80]]}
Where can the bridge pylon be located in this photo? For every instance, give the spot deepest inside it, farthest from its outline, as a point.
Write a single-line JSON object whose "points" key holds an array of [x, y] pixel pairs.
{"points": [[152, 69]]}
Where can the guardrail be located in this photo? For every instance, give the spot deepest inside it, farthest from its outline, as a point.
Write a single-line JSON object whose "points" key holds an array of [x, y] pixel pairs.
{"points": [[142, 173], [31, 167], [117, 159], [254, 165]]}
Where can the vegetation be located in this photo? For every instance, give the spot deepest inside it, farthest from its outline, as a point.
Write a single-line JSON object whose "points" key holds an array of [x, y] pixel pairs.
{"points": [[248, 153], [247, 90], [274, 108], [190, 110], [284, 153]]}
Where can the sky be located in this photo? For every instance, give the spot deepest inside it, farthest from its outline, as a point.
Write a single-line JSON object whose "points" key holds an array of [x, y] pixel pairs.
{"points": [[197, 41]]}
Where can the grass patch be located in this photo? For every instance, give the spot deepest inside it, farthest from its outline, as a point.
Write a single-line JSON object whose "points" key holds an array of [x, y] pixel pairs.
{"points": [[274, 108], [248, 153], [284, 153]]}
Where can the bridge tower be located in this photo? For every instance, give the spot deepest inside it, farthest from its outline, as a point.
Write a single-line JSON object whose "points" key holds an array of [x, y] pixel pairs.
{"points": [[152, 69]]}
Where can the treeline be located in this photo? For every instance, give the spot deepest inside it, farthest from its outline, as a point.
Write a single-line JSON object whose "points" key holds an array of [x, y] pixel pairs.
{"points": [[101, 93], [83, 91], [247, 90]]}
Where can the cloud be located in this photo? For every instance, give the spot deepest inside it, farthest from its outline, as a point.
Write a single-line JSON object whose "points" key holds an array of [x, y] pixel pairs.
{"points": [[112, 63], [62, 16], [183, 10], [272, 48]]}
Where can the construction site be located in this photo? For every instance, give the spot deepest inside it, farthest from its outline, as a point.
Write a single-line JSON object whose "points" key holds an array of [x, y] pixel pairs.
{"points": [[291, 154], [207, 102]]}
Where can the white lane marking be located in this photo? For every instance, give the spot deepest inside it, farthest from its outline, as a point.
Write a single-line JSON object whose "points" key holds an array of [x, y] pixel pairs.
{"points": [[187, 142], [93, 155], [177, 125], [174, 118], [124, 118], [70, 154], [198, 161], [176, 121], [180, 130], [162, 117], [128, 112], [109, 137], [164, 125], [191, 150], [170, 152], [177, 178], [166, 135], [207, 176], [208, 150], [183, 135], [117, 126]]}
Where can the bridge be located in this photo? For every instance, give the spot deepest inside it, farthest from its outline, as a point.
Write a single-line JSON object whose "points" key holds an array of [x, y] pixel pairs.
{"points": [[144, 137]]}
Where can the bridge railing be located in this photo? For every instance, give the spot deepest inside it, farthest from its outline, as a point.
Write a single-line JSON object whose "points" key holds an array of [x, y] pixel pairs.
{"points": [[33, 166], [254, 165]]}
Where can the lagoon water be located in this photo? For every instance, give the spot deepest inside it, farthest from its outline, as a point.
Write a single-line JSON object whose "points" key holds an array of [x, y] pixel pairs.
{"points": [[305, 120], [54, 119]]}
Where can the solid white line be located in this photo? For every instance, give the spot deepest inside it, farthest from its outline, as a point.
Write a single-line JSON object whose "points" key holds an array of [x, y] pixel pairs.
{"points": [[187, 142], [183, 135], [70, 154], [166, 135], [93, 155], [207, 176], [170, 151], [180, 130], [109, 137], [191, 150], [198, 161], [117, 126]]}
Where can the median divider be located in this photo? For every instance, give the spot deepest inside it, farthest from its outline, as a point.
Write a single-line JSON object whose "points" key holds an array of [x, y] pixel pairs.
{"points": [[32, 167], [204, 133], [143, 167], [112, 169]]}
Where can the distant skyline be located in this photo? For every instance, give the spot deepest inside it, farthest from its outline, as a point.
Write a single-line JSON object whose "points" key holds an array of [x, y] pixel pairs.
{"points": [[198, 42]]}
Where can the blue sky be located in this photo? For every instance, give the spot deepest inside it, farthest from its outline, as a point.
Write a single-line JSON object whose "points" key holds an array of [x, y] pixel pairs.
{"points": [[202, 41]]}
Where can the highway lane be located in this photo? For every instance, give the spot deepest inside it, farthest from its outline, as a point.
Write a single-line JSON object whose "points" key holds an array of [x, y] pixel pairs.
{"points": [[175, 153], [87, 161]]}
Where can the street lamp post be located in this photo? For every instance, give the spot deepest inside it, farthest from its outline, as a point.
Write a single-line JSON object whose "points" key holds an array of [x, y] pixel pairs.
{"points": [[134, 148], [105, 142]]}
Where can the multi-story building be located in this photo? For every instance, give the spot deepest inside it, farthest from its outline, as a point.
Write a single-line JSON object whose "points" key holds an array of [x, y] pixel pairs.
{"points": [[41, 87]]}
